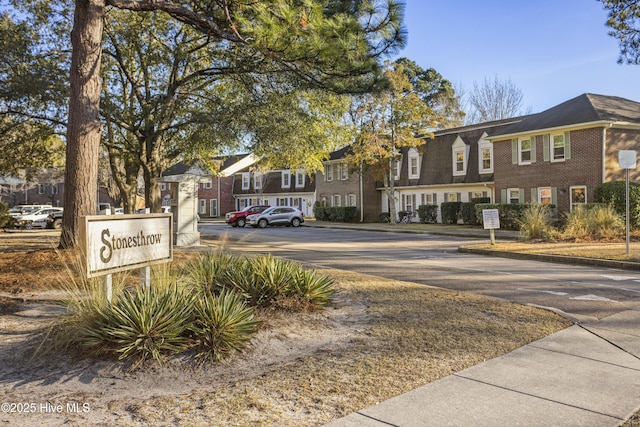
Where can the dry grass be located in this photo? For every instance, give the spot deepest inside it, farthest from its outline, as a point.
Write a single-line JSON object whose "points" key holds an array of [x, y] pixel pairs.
{"points": [[388, 337], [598, 250], [412, 335]]}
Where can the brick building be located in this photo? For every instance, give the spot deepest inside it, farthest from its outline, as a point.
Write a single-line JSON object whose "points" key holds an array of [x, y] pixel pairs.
{"points": [[340, 185], [562, 154]]}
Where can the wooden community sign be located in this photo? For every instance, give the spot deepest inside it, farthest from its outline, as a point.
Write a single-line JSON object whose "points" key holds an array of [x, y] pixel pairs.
{"points": [[113, 243]]}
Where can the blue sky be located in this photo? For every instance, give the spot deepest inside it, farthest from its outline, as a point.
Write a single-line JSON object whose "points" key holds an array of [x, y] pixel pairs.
{"points": [[553, 50]]}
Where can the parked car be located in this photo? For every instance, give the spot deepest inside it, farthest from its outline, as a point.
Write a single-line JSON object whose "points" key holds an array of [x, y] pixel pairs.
{"points": [[54, 221], [282, 215], [239, 218], [19, 210], [35, 219]]}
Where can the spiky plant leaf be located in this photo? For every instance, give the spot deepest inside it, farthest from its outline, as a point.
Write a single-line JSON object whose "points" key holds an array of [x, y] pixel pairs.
{"points": [[222, 324]]}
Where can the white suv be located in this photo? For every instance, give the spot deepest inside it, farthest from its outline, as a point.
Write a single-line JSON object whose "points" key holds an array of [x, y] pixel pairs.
{"points": [[35, 219]]}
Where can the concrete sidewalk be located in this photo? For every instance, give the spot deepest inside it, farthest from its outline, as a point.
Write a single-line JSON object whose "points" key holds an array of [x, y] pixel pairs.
{"points": [[585, 375]]}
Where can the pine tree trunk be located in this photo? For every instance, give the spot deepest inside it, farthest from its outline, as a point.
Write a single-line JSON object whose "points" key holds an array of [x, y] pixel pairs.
{"points": [[83, 130]]}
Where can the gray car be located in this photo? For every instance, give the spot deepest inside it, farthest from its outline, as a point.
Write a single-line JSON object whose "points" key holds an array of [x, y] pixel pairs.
{"points": [[277, 215]]}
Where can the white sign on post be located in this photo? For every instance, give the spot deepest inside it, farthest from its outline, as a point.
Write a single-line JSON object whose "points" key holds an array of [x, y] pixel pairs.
{"points": [[490, 219], [627, 159], [124, 242]]}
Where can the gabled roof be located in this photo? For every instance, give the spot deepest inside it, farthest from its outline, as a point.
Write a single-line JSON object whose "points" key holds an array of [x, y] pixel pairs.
{"points": [[228, 166], [584, 109]]}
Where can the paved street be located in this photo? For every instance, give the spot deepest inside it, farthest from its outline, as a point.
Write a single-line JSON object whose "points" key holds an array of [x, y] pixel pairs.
{"points": [[584, 292]]}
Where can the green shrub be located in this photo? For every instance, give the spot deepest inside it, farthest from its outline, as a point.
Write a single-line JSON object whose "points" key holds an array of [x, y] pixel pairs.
{"points": [[320, 212], [222, 324], [468, 210], [428, 214], [385, 217], [5, 218], [510, 214], [344, 213], [468, 213], [535, 222], [613, 193], [450, 212], [140, 325]]}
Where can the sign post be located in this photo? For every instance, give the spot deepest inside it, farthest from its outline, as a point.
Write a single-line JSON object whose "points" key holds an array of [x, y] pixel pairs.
{"points": [[627, 160], [491, 221]]}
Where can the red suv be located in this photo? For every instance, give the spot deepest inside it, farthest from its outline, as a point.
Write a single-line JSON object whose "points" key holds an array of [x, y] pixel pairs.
{"points": [[239, 219]]}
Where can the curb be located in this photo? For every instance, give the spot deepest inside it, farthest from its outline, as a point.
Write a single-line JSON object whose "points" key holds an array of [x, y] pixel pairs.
{"points": [[561, 259]]}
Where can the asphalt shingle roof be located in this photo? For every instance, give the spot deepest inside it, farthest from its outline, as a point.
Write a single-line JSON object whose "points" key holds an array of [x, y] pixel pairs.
{"points": [[586, 108]]}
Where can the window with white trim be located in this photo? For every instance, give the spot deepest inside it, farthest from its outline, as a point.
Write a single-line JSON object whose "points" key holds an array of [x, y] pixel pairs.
{"points": [[396, 168], [328, 172], [485, 155], [213, 209], [557, 147], [246, 180], [344, 171], [202, 206], [54, 189], [336, 201], [513, 196], [460, 153], [426, 199], [350, 199], [524, 151], [409, 202], [257, 180], [41, 188], [300, 178], [545, 195], [208, 184], [286, 179], [578, 195], [163, 186], [414, 164], [282, 201]]}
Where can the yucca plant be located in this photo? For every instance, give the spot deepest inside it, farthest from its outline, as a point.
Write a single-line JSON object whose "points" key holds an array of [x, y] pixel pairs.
{"points": [[222, 324], [244, 281], [312, 288], [210, 271], [142, 324]]}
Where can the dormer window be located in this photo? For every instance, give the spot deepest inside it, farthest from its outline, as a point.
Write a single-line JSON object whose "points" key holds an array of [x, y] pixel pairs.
{"points": [[414, 164], [460, 155], [397, 167], [286, 179], [300, 178], [485, 155], [257, 181], [246, 180]]}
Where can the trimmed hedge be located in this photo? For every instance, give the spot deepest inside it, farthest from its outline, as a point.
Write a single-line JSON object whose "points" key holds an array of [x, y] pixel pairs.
{"points": [[613, 193], [468, 210], [336, 213], [509, 213], [428, 214], [450, 212]]}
